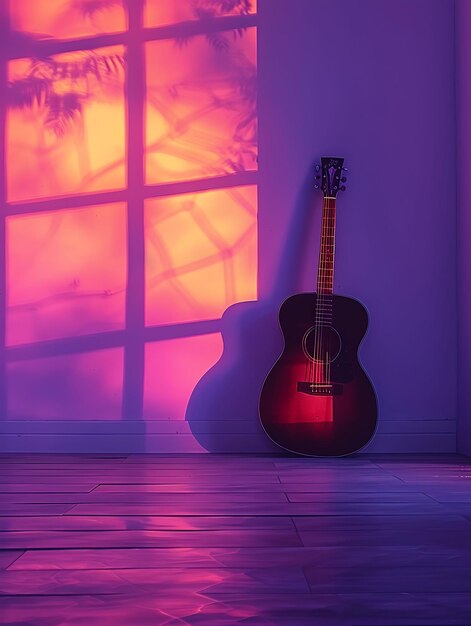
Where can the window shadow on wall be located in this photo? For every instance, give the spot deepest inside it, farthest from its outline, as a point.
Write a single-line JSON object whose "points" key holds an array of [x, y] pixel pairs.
{"points": [[85, 317]]}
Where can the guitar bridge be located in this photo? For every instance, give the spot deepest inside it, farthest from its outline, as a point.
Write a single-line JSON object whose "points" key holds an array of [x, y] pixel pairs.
{"points": [[320, 389]]}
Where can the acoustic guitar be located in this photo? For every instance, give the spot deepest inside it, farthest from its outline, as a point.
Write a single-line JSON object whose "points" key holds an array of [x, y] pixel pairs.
{"points": [[317, 399]]}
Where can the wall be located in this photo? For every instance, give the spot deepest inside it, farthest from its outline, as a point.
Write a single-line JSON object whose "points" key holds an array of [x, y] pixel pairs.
{"points": [[463, 57], [373, 81]]}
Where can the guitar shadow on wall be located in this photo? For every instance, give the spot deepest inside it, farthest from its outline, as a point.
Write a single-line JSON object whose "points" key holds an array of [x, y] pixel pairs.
{"points": [[223, 409]]}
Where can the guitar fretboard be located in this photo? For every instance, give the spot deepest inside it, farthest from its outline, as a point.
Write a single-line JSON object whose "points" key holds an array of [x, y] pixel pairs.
{"points": [[325, 270]]}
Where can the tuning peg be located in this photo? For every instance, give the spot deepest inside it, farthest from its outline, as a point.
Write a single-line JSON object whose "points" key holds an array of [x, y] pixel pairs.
{"points": [[343, 179], [318, 167], [345, 169], [316, 186], [342, 188]]}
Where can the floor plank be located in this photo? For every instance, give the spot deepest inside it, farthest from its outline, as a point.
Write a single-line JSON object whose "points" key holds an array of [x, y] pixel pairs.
{"points": [[214, 539], [26, 540], [260, 508], [185, 580], [224, 609]]}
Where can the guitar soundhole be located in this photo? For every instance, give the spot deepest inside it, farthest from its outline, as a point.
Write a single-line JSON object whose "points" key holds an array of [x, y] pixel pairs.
{"points": [[322, 344]]}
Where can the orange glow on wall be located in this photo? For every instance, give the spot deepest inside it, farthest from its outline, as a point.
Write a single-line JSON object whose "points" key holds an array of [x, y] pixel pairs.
{"points": [[66, 273], [84, 386], [67, 19], [66, 124], [162, 12], [201, 106], [201, 254]]}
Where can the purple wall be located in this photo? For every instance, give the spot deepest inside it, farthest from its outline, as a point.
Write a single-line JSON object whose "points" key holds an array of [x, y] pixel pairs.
{"points": [[463, 57], [373, 81]]}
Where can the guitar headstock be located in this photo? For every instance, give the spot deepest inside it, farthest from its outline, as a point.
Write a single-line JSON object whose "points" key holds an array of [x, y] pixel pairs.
{"points": [[329, 176]]}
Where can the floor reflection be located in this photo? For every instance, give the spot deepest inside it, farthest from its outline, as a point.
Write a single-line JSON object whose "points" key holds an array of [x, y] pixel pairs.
{"points": [[207, 539]]}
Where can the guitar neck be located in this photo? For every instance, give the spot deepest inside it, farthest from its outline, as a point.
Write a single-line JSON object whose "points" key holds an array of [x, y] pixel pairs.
{"points": [[325, 270]]}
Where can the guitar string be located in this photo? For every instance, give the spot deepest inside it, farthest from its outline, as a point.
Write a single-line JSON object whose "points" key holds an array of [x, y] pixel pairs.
{"points": [[320, 280], [319, 312], [333, 265], [321, 367], [316, 313], [328, 286], [324, 288], [322, 309], [326, 283], [331, 229]]}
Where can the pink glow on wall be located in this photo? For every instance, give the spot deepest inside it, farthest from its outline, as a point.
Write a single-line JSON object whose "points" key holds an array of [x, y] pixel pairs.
{"points": [[66, 273], [173, 368], [84, 386]]}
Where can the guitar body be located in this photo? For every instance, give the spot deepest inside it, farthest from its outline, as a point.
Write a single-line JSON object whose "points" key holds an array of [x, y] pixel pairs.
{"points": [[317, 400]]}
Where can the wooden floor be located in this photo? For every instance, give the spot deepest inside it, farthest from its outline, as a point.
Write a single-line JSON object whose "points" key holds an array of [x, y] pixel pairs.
{"points": [[215, 540]]}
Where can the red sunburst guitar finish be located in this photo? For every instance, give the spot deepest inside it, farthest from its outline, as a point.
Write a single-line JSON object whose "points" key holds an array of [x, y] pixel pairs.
{"points": [[317, 400]]}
